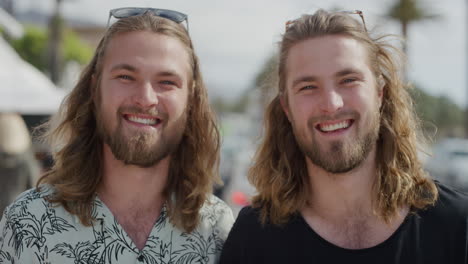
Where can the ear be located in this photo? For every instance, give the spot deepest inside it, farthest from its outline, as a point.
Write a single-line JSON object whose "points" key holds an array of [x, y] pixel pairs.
{"points": [[284, 105]]}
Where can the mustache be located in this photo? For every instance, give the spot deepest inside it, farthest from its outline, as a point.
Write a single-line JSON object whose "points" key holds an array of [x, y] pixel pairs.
{"points": [[142, 111], [346, 114]]}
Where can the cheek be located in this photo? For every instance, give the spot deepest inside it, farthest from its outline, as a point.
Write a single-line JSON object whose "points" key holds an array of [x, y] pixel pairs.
{"points": [[114, 93], [300, 112], [369, 111], [301, 108], [106, 113], [108, 104], [176, 103], [362, 100]]}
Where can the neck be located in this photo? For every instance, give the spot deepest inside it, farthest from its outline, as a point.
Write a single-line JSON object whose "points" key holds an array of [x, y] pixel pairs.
{"points": [[338, 195], [126, 187]]}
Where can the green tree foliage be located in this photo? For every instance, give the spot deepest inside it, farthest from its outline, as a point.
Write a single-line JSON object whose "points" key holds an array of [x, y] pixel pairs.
{"points": [[438, 112], [407, 12], [32, 47], [221, 105], [75, 49]]}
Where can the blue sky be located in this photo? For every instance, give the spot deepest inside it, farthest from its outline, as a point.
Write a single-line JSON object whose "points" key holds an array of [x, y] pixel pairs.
{"points": [[234, 38]]}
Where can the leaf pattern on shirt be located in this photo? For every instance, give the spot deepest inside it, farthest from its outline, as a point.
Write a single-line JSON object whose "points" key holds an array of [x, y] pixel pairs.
{"points": [[28, 230], [33, 230]]}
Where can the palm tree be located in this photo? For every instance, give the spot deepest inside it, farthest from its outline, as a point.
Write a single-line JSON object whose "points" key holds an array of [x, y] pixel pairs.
{"points": [[407, 12], [55, 36], [8, 6], [466, 102]]}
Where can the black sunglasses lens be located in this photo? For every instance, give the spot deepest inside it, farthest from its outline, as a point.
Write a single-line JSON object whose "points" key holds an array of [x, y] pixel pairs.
{"points": [[171, 15], [123, 13], [168, 14]]}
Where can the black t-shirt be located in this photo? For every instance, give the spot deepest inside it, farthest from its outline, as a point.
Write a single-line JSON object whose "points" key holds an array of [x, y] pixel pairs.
{"points": [[438, 234]]}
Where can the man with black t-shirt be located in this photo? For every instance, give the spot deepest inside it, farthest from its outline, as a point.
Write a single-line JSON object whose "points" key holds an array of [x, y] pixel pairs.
{"points": [[337, 174]]}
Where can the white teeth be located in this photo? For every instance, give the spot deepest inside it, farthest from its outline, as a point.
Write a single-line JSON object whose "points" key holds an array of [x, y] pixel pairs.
{"points": [[328, 128], [144, 121]]}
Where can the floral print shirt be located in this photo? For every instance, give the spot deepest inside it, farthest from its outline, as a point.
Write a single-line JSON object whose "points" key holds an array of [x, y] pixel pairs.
{"points": [[35, 231]]}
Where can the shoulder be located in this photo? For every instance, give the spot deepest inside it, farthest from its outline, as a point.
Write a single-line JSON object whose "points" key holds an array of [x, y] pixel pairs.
{"points": [[30, 205], [451, 204], [250, 212], [445, 222], [30, 200], [215, 208], [247, 223], [216, 214], [27, 223], [214, 205], [249, 238], [249, 216], [452, 200], [33, 207]]}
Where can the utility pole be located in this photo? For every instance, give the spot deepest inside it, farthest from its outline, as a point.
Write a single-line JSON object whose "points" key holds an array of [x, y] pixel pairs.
{"points": [[7, 5], [55, 47], [466, 69]]}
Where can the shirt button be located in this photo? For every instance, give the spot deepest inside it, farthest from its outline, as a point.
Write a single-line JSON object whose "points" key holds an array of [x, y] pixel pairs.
{"points": [[140, 258]]}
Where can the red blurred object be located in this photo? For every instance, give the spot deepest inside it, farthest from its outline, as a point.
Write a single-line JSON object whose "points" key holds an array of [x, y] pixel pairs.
{"points": [[239, 198]]}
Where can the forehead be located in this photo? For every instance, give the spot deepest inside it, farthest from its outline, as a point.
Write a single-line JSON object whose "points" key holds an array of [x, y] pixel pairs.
{"points": [[327, 55], [147, 51]]}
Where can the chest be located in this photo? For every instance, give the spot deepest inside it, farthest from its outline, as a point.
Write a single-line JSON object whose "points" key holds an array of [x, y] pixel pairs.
{"points": [[297, 243], [352, 232], [138, 226]]}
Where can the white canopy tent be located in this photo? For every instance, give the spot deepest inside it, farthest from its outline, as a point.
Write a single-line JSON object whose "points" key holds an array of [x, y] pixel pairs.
{"points": [[23, 88], [10, 25]]}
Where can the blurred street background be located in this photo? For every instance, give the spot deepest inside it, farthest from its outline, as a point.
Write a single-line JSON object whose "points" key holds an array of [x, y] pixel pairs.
{"points": [[44, 44]]}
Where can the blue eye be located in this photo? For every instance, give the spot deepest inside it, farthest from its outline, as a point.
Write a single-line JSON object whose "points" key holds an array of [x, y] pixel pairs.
{"points": [[349, 80], [125, 77], [308, 87], [167, 82]]}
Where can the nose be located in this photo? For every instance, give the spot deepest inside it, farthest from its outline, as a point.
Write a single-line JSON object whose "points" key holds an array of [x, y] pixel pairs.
{"points": [[146, 95], [331, 101]]}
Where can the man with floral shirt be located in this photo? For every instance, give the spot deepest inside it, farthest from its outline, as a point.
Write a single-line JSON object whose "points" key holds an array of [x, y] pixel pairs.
{"points": [[136, 147]]}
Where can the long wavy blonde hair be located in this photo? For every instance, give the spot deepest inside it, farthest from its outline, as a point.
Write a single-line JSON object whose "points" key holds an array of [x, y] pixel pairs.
{"points": [[279, 171], [77, 147]]}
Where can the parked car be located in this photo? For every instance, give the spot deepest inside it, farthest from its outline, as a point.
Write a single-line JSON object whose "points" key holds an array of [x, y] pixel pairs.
{"points": [[449, 163]]}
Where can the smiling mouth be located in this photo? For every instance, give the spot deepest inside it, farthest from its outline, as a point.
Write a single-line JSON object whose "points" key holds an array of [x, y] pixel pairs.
{"points": [[334, 126], [149, 121]]}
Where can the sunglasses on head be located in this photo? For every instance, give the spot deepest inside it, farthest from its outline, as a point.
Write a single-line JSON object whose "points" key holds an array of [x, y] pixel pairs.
{"points": [[350, 12], [125, 12]]}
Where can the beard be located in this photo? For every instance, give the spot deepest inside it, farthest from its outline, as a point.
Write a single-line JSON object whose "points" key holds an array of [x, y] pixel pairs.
{"points": [[141, 148], [341, 156]]}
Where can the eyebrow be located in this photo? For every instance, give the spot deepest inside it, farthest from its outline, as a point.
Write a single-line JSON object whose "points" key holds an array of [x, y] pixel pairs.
{"points": [[347, 71], [341, 73], [128, 67], [303, 79], [124, 66], [169, 73]]}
